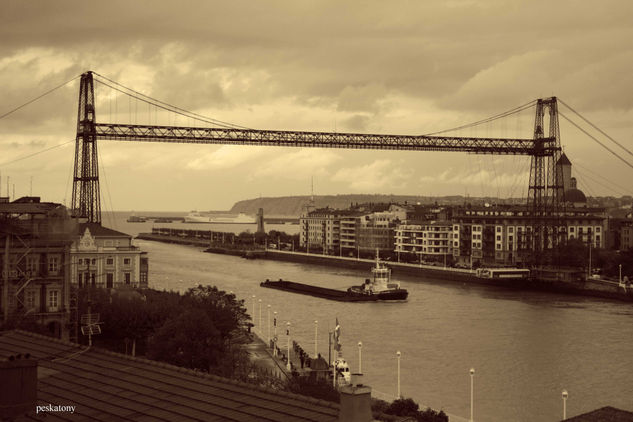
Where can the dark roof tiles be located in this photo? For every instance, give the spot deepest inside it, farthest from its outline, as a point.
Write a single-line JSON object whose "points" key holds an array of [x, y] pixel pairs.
{"points": [[110, 386]]}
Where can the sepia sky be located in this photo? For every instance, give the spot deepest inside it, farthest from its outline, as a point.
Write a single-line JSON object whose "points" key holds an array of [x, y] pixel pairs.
{"points": [[397, 67]]}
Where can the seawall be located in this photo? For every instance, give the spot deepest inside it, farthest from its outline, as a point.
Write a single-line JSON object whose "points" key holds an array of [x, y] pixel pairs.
{"points": [[584, 287]]}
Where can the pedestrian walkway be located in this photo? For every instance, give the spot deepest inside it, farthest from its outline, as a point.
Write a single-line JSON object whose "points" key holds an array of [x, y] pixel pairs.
{"points": [[262, 357]]}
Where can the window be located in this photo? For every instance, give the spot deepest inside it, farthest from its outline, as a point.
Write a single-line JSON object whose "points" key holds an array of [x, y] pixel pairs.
{"points": [[53, 300], [94, 261], [29, 299], [510, 239], [499, 238], [510, 229], [32, 263], [80, 261], [53, 264], [110, 261], [498, 246], [498, 229]]}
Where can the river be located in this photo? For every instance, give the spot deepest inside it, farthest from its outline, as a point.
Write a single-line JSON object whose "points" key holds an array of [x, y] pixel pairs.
{"points": [[525, 347]]}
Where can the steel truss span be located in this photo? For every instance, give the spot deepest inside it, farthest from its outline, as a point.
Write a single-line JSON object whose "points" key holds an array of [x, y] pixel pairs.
{"points": [[195, 135]]}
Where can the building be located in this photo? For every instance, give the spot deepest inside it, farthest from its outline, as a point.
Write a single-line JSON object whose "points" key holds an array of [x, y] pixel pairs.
{"points": [[107, 258], [35, 243], [502, 234], [430, 241], [349, 232]]}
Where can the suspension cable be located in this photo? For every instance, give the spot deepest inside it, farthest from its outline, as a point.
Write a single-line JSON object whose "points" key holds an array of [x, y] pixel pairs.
{"points": [[596, 140], [37, 98], [596, 127], [170, 107], [35, 153], [489, 119]]}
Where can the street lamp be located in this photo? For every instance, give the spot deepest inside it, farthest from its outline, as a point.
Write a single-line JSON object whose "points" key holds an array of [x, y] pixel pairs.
{"points": [[316, 333], [398, 355], [472, 378], [275, 334], [268, 323], [260, 317], [360, 361], [565, 395], [620, 277], [253, 313], [288, 337]]}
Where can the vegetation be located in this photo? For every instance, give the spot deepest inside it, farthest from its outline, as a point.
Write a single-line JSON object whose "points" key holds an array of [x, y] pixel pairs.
{"points": [[407, 407], [202, 329]]}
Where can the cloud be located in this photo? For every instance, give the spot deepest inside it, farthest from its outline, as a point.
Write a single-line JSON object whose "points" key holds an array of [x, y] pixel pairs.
{"points": [[511, 183], [227, 156], [297, 165], [381, 174]]}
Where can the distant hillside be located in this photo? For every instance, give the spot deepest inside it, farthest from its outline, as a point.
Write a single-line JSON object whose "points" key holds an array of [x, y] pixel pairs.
{"points": [[294, 205]]}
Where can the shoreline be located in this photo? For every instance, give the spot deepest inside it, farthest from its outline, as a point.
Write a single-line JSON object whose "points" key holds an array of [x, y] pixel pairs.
{"points": [[587, 287]]}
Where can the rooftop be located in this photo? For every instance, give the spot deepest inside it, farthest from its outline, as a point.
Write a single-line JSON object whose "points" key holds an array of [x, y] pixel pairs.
{"points": [[108, 386], [604, 414], [96, 229]]}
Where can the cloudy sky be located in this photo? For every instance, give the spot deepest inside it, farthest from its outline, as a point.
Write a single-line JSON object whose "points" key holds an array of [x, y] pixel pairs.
{"points": [[397, 67]]}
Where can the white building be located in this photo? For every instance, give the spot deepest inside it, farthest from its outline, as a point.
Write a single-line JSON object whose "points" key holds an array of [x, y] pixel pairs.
{"points": [[104, 257]]}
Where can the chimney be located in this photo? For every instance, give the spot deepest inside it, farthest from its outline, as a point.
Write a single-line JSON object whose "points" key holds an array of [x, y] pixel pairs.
{"points": [[573, 183], [355, 403], [18, 390]]}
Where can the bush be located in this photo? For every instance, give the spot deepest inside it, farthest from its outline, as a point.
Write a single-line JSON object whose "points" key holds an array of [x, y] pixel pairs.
{"points": [[407, 407]]}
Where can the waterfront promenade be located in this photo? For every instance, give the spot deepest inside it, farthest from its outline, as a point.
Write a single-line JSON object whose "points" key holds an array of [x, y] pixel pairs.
{"points": [[263, 359]]}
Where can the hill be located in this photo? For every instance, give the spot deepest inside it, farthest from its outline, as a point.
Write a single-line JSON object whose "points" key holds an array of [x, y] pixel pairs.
{"points": [[294, 205]]}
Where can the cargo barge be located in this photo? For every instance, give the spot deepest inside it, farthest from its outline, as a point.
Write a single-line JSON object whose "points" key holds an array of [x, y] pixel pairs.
{"points": [[316, 291]]}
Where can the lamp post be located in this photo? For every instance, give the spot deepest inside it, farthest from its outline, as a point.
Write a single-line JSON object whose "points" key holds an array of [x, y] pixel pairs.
{"points": [[620, 277], [268, 323], [316, 334], [253, 313], [275, 333], [360, 357], [565, 395], [260, 317], [288, 338], [472, 383], [398, 355]]}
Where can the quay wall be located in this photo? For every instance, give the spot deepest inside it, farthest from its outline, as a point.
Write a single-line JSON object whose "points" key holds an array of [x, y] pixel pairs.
{"points": [[584, 287]]}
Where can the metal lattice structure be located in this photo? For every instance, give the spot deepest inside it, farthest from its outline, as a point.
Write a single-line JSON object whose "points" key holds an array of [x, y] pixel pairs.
{"points": [[546, 193], [545, 189], [86, 202]]}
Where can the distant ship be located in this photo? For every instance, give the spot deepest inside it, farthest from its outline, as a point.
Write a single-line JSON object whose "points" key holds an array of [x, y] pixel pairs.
{"points": [[197, 217], [135, 219]]}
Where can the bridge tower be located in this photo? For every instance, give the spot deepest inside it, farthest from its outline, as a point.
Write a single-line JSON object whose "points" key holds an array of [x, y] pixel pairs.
{"points": [[545, 193], [86, 202]]}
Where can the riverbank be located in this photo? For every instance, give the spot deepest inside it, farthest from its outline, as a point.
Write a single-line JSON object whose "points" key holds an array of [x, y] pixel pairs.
{"points": [[568, 285]]}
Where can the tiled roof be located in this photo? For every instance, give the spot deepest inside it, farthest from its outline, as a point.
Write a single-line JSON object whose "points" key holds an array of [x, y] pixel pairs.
{"points": [[604, 414], [96, 229], [107, 386]]}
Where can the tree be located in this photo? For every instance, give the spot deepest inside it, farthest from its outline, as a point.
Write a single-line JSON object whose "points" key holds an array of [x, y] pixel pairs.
{"points": [[407, 407], [190, 340]]}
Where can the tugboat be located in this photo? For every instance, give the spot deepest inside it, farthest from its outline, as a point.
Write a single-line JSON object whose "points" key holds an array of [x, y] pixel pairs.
{"points": [[380, 287]]}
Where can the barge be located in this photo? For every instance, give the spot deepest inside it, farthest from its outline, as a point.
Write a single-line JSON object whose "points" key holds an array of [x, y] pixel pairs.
{"points": [[379, 287]]}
